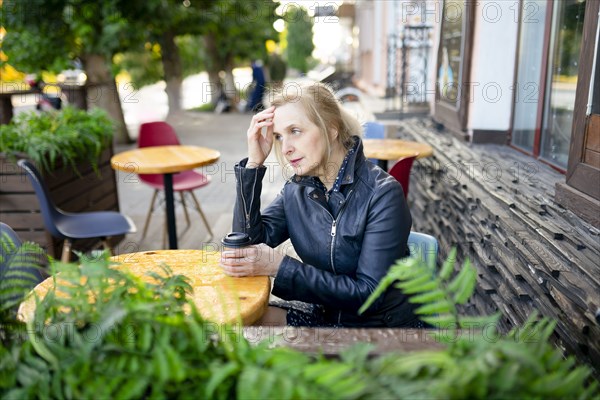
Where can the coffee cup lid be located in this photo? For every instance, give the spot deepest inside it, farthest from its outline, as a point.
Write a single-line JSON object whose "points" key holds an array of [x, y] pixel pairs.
{"points": [[236, 239]]}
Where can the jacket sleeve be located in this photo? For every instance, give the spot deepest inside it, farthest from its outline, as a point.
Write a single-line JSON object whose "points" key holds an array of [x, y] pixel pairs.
{"points": [[385, 241], [270, 226]]}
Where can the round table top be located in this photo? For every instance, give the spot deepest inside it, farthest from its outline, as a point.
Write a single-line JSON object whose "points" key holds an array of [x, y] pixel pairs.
{"points": [[394, 149], [219, 298], [163, 159]]}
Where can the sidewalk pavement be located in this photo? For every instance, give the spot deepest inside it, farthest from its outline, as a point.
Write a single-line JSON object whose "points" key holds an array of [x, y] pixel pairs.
{"points": [[227, 134]]}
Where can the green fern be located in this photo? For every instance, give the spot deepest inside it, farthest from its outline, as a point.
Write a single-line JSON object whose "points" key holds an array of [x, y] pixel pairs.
{"points": [[477, 362], [154, 333], [438, 293], [21, 270]]}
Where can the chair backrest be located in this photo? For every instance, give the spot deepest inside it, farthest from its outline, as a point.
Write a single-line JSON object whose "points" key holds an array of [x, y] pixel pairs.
{"points": [[401, 171], [423, 245], [374, 130], [49, 211], [157, 133]]}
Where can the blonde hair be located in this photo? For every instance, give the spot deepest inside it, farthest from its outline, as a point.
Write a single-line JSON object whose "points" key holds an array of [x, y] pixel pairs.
{"points": [[322, 109]]}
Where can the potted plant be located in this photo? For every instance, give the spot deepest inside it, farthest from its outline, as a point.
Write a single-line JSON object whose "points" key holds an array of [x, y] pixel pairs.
{"points": [[146, 340], [72, 148]]}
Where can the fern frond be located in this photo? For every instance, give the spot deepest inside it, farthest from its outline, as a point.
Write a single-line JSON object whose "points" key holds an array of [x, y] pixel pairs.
{"points": [[463, 285], [438, 294], [22, 271]]}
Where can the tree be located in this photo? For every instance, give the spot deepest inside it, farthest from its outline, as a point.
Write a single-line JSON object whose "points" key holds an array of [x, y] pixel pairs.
{"points": [[46, 35], [232, 30], [167, 24], [299, 37], [145, 67], [236, 30]]}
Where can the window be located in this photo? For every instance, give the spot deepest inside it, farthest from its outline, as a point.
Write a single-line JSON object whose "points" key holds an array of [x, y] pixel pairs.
{"points": [[529, 72], [562, 81], [581, 191], [453, 63], [449, 68], [545, 91]]}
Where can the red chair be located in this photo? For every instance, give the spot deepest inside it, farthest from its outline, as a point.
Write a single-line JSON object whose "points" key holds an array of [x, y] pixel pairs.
{"points": [[401, 171], [162, 134]]}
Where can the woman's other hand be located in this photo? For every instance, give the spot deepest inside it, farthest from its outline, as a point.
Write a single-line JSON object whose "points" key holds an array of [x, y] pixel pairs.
{"points": [[259, 146], [251, 261]]}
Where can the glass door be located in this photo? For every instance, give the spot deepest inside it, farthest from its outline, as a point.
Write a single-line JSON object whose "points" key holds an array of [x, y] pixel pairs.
{"points": [[547, 72], [530, 70], [562, 81]]}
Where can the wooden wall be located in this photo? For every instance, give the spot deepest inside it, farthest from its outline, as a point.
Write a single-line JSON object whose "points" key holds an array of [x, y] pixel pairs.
{"points": [[497, 206], [19, 207]]}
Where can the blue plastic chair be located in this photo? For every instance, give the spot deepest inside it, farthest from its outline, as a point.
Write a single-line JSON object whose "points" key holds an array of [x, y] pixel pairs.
{"points": [[423, 245], [72, 226], [373, 130]]}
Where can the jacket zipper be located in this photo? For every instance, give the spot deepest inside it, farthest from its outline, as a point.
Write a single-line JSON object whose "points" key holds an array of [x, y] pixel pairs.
{"points": [[246, 211], [333, 233], [334, 230]]}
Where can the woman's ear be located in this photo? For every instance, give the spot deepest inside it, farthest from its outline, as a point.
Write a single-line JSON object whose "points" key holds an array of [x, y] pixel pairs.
{"points": [[333, 134]]}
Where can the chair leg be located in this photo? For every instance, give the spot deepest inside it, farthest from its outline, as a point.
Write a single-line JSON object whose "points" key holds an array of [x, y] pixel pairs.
{"points": [[201, 214], [185, 211], [66, 251], [149, 215]]}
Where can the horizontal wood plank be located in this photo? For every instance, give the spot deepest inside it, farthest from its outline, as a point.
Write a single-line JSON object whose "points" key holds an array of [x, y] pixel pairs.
{"points": [[592, 158]]}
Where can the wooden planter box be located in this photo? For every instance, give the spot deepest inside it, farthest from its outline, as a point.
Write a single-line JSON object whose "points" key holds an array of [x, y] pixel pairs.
{"points": [[88, 191]]}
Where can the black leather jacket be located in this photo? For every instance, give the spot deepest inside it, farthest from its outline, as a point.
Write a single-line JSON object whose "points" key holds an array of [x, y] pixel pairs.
{"points": [[346, 244]]}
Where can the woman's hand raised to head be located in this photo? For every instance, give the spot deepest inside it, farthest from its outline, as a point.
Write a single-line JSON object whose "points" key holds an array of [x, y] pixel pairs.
{"points": [[259, 146]]}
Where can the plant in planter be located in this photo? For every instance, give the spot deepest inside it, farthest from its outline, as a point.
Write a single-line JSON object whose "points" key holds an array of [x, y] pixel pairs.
{"points": [[138, 339], [72, 148], [58, 138]]}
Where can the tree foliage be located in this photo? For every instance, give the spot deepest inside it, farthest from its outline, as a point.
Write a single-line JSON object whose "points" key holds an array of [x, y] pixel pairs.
{"points": [[47, 35], [236, 32], [299, 38]]}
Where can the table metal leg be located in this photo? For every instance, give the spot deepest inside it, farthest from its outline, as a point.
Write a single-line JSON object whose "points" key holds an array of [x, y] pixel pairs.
{"points": [[383, 164], [171, 226]]}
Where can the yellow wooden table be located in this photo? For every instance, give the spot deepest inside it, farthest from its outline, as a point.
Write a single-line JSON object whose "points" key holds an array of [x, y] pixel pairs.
{"points": [[165, 160], [219, 298], [386, 150]]}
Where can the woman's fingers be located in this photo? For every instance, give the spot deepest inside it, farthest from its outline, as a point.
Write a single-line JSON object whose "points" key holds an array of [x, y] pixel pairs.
{"points": [[263, 118], [241, 262]]}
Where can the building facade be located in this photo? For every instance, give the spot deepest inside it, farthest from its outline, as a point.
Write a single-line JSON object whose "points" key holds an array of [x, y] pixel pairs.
{"points": [[513, 88]]}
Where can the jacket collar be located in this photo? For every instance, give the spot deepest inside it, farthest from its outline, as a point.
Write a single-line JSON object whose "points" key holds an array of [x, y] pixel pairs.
{"points": [[354, 161]]}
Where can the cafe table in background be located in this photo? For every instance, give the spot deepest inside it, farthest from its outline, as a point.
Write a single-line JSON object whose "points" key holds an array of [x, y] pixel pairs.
{"points": [[218, 297], [166, 160], [385, 150]]}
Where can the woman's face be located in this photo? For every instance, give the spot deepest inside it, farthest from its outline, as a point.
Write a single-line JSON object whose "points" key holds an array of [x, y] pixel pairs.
{"points": [[302, 143]]}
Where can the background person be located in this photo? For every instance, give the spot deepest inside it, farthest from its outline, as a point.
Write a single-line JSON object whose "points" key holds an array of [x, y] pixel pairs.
{"points": [[255, 101], [347, 219]]}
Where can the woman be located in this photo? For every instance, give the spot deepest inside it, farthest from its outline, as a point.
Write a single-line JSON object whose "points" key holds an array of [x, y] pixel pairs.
{"points": [[346, 218]]}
